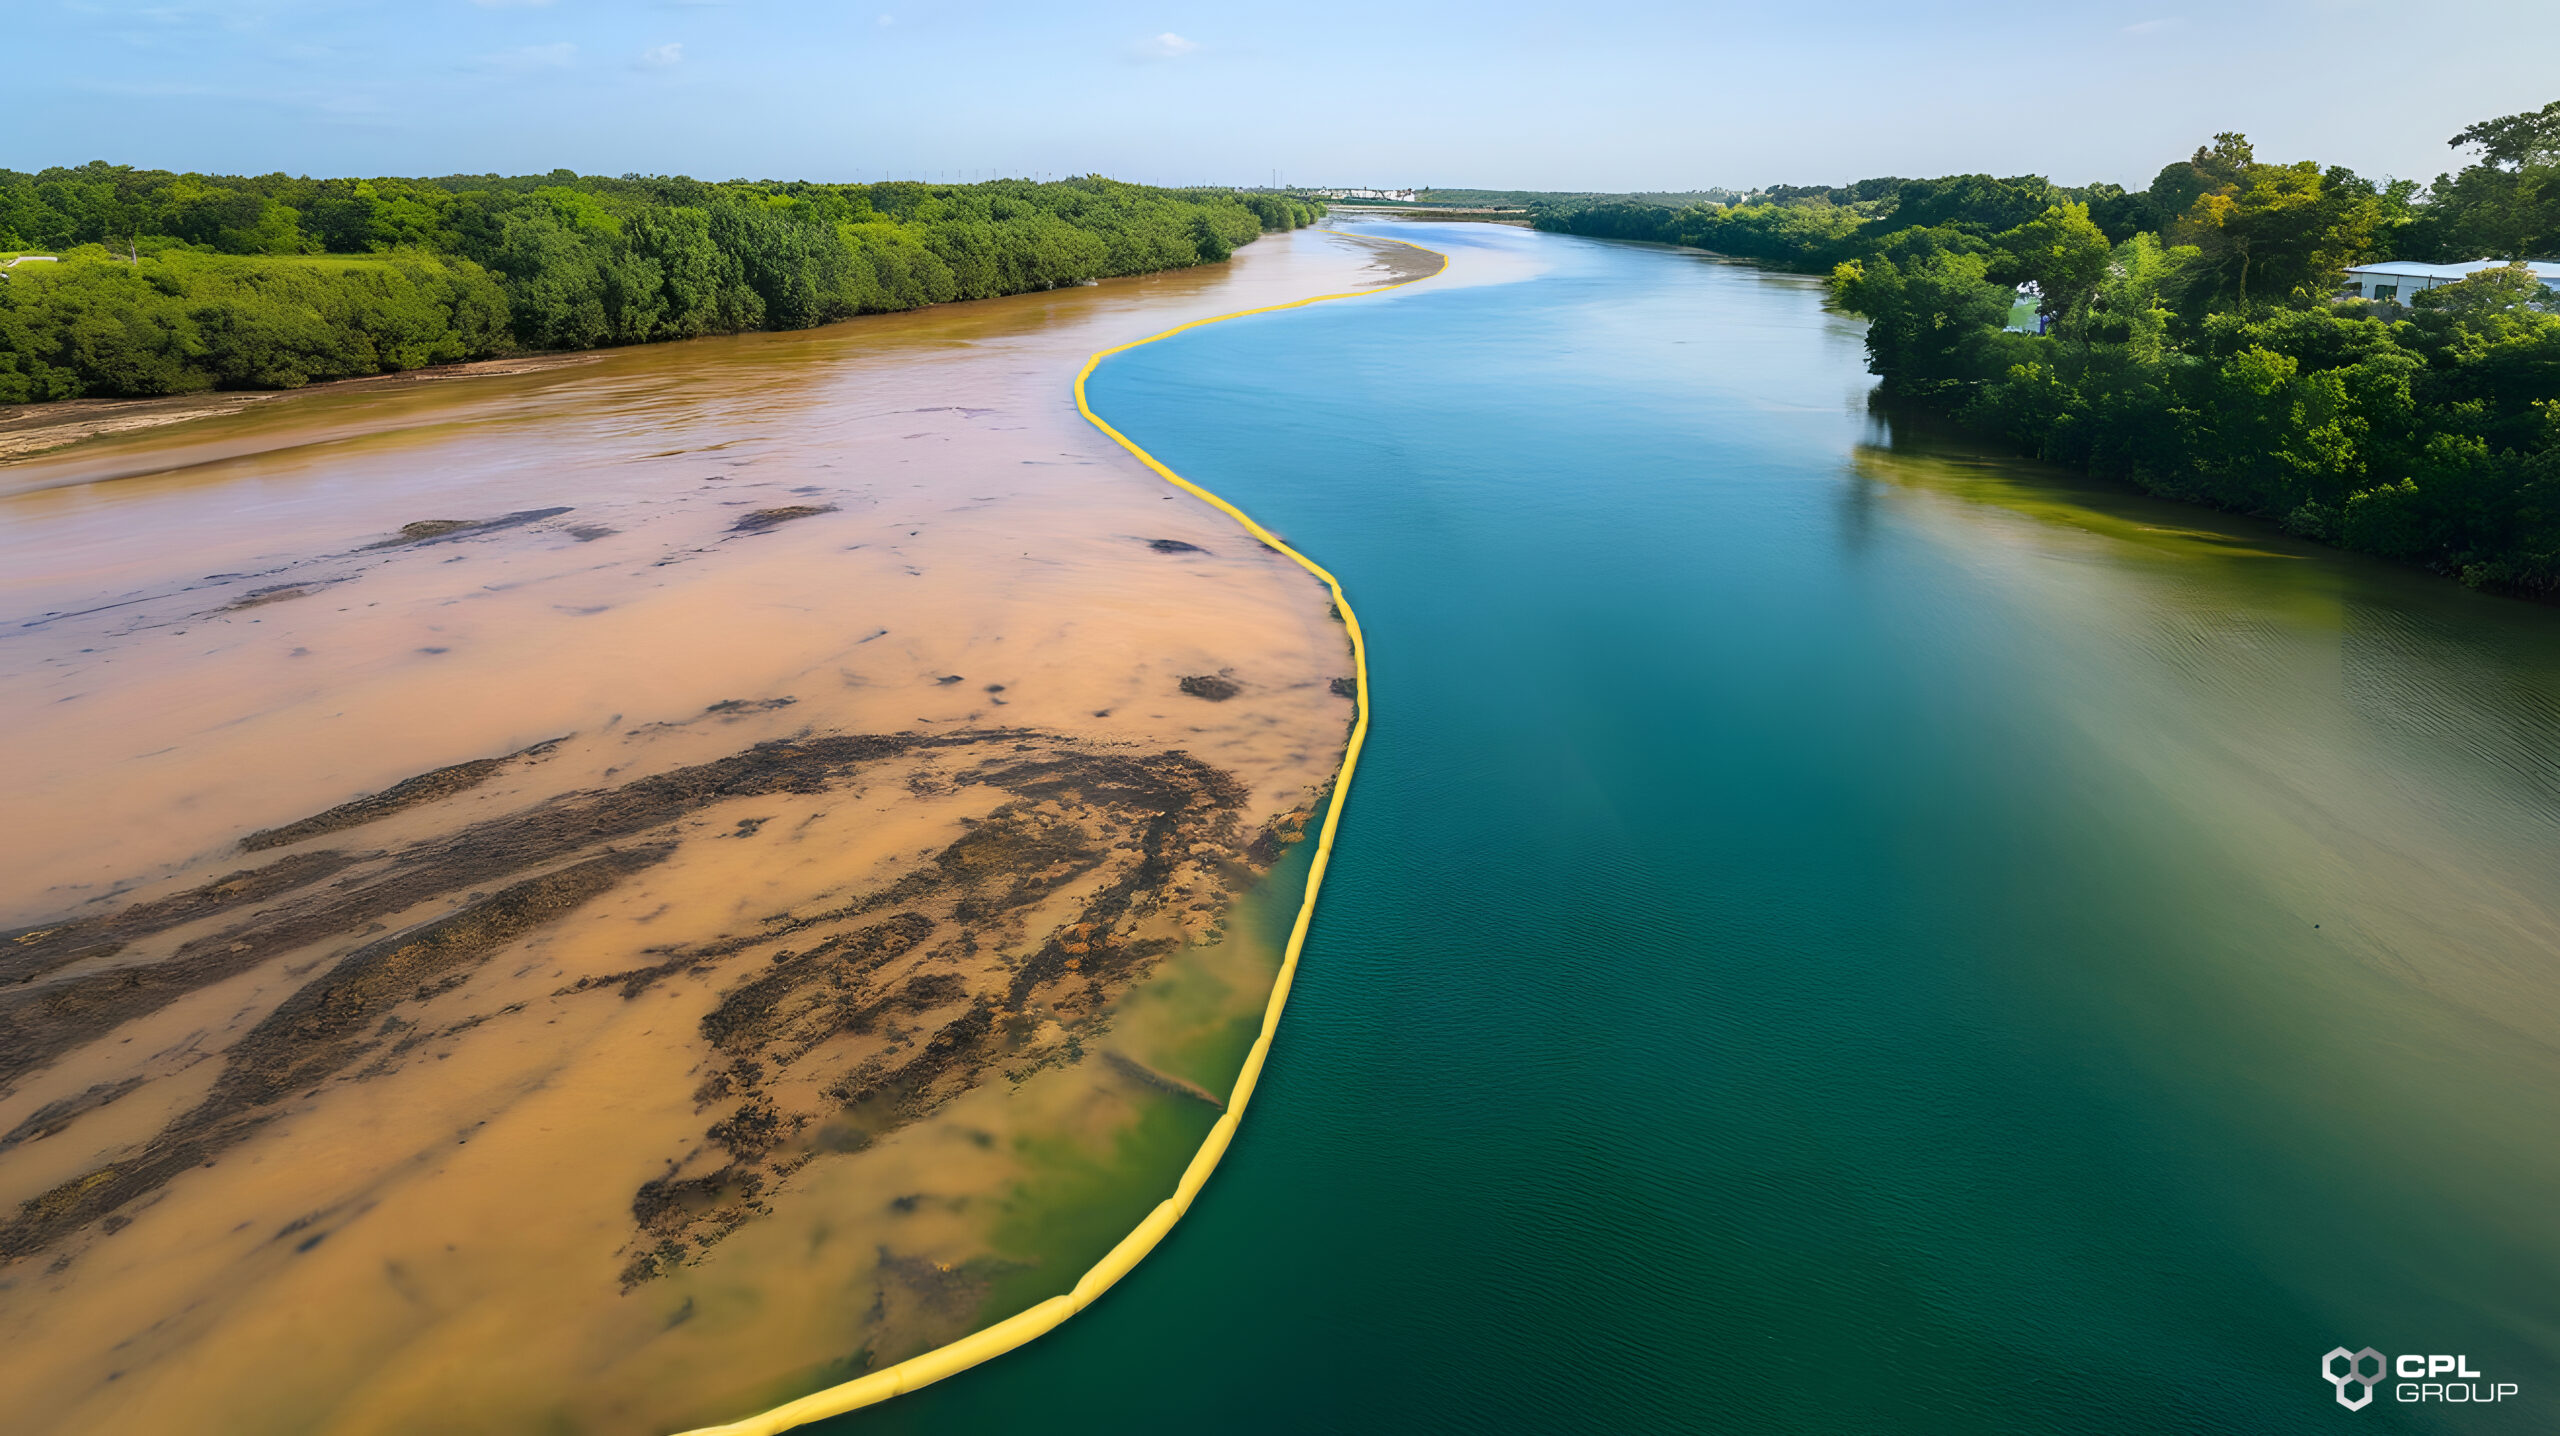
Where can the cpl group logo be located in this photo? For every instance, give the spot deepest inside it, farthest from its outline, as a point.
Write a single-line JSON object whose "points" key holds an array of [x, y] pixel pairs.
{"points": [[2356, 1374]]}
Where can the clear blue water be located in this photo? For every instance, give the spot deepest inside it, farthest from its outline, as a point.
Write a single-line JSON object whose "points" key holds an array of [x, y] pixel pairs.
{"points": [[1836, 932]]}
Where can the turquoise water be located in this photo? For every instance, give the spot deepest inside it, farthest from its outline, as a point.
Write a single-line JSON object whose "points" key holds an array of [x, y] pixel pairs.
{"points": [[1837, 932]]}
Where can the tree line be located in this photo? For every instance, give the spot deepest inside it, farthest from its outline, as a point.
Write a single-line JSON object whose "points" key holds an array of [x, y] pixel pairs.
{"points": [[2196, 341], [171, 283]]}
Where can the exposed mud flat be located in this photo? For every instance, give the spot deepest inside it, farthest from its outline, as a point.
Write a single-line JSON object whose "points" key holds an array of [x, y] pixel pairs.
{"points": [[879, 987], [29, 429], [598, 898]]}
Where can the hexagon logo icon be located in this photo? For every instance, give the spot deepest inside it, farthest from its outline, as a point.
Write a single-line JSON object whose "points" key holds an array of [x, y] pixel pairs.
{"points": [[2352, 1374]]}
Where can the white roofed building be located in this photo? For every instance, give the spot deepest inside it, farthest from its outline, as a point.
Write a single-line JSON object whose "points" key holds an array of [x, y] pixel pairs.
{"points": [[2400, 280]]}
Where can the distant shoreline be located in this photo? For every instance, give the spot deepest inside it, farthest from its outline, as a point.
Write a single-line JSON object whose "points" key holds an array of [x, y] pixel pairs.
{"points": [[1466, 213]]}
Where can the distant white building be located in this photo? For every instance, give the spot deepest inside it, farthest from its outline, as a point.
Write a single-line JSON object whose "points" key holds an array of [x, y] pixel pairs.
{"points": [[1406, 195], [2401, 280]]}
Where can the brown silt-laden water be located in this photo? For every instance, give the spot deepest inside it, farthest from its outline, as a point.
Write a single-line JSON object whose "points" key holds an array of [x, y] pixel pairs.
{"points": [[599, 896]]}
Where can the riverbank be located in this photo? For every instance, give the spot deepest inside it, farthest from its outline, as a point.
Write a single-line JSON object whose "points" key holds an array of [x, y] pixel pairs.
{"points": [[27, 430], [37, 441], [813, 778], [1352, 211]]}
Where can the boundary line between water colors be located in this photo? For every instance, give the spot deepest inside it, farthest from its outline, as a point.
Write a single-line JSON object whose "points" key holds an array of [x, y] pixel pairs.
{"points": [[1025, 1326]]}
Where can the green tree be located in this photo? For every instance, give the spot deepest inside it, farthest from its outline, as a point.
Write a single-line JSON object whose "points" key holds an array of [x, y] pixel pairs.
{"points": [[2507, 203], [1927, 325], [2131, 306], [2063, 254], [2516, 141], [2283, 231], [346, 217], [2505, 289], [1205, 237], [555, 281], [1975, 202]]}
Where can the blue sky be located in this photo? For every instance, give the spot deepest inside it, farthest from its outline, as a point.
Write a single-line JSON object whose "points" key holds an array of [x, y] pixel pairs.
{"points": [[1495, 93]]}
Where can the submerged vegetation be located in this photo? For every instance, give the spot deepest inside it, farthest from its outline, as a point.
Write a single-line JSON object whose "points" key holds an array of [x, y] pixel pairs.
{"points": [[171, 283], [2195, 339]]}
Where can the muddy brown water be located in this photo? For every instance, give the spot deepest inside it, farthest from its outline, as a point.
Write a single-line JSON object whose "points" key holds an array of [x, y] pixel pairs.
{"points": [[596, 897]]}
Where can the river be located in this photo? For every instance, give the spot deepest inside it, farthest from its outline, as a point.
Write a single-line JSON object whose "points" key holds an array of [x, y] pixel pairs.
{"points": [[1838, 930]]}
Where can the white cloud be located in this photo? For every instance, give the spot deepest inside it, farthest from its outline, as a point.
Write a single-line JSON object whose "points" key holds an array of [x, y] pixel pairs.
{"points": [[1167, 46], [527, 58], [659, 57]]}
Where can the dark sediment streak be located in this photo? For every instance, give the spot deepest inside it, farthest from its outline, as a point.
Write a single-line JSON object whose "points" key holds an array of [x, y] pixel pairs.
{"points": [[1135, 845], [428, 787]]}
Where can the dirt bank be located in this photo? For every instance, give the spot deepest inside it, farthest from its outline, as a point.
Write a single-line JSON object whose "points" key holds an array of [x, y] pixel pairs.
{"points": [[599, 896]]}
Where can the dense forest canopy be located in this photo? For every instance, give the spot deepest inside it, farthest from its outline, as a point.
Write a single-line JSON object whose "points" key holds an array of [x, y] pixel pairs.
{"points": [[2195, 338], [170, 283]]}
